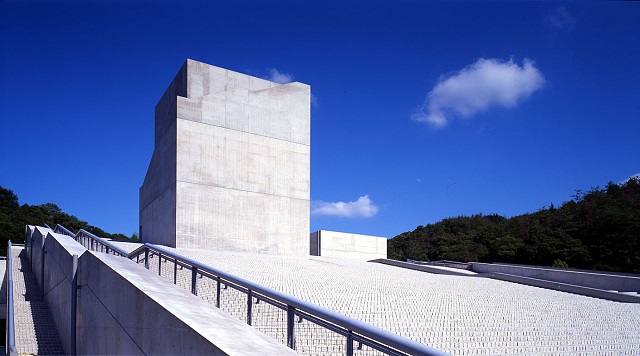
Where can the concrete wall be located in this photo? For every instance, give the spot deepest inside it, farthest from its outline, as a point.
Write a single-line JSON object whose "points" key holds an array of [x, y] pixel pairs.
{"points": [[242, 164], [124, 309], [158, 192], [149, 315], [58, 277], [3, 289], [595, 279], [347, 246], [36, 255]]}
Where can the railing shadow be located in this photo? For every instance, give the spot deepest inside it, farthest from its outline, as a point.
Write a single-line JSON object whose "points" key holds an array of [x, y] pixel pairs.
{"points": [[46, 335]]}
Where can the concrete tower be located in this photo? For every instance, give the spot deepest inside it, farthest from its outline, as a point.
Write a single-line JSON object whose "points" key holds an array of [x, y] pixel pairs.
{"points": [[230, 168]]}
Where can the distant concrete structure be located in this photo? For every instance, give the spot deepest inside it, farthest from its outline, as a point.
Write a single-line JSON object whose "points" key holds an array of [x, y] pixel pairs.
{"points": [[230, 169], [347, 246]]}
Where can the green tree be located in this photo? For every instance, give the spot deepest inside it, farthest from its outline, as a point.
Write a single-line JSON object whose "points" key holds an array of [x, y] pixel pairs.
{"points": [[597, 229]]}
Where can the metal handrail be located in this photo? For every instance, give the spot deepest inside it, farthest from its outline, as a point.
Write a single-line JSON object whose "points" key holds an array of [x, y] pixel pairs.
{"points": [[92, 241], [84, 235], [352, 329], [10, 343], [63, 230], [442, 263]]}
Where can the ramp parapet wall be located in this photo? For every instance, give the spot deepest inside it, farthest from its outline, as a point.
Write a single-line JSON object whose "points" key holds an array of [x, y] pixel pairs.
{"points": [[595, 279], [122, 308]]}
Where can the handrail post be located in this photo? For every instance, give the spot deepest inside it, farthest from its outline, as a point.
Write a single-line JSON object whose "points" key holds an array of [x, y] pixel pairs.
{"points": [[218, 292], [10, 342], [146, 258], [194, 278], [350, 343], [249, 305], [160, 264], [291, 337], [175, 271]]}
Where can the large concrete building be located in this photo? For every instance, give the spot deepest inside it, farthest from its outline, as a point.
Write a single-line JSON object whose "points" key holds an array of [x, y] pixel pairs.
{"points": [[230, 168]]}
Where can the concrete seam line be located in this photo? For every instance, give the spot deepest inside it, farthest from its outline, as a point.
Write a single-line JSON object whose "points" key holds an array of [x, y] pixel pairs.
{"points": [[60, 267], [240, 190], [54, 287], [86, 286], [245, 132]]}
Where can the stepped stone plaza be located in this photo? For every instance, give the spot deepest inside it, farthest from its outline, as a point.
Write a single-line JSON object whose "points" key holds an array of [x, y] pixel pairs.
{"points": [[230, 169], [461, 315]]}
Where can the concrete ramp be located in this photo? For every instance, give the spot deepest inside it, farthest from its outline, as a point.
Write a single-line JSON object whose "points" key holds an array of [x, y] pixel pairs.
{"points": [[35, 329], [103, 304]]}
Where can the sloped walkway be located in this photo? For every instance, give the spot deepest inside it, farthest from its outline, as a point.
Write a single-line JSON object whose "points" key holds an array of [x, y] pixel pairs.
{"points": [[34, 328], [461, 315]]}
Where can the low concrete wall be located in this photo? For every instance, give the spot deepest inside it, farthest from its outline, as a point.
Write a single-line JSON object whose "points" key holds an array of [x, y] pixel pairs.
{"points": [[124, 309], [152, 316], [564, 287], [36, 255], [426, 268], [347, 246], [596, 280], [58, 286]]}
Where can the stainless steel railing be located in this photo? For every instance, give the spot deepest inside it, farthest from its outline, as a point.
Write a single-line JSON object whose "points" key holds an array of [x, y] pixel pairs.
{"points": [[62, 230], [302, 326], [357, 337], [91, 241], [10, 342]]}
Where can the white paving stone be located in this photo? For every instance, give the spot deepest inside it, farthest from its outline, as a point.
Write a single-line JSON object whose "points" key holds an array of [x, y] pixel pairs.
{"points": [[457, 314]]}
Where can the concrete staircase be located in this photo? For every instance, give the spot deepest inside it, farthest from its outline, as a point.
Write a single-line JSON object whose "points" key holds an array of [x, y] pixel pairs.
{"points": [[34, 328]]}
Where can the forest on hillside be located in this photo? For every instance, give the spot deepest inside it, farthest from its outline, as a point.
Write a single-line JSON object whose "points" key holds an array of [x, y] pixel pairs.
{"points": [[15, 217], [598, 229]]}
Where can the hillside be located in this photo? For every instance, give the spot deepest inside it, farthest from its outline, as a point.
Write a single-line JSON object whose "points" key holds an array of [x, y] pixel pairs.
{"points": [[598, 229], [14, 217]]}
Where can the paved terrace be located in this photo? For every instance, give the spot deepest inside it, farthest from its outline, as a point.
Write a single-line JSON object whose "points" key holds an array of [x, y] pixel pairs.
{"points": [[457, 314]]}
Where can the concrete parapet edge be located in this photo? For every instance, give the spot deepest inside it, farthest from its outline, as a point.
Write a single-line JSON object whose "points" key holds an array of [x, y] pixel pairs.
{"points": [[425, 268], [590, 279], [564, 287], [183, 323]]}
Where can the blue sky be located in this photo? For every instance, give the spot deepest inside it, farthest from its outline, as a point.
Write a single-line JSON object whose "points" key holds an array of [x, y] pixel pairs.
{"points": [[422, 110]]}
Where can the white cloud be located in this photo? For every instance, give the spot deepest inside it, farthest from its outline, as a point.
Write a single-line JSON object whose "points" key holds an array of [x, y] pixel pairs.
{"points": [[278, 77], [561, 19], [486, 83], [361, 208], [285, 78]]}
